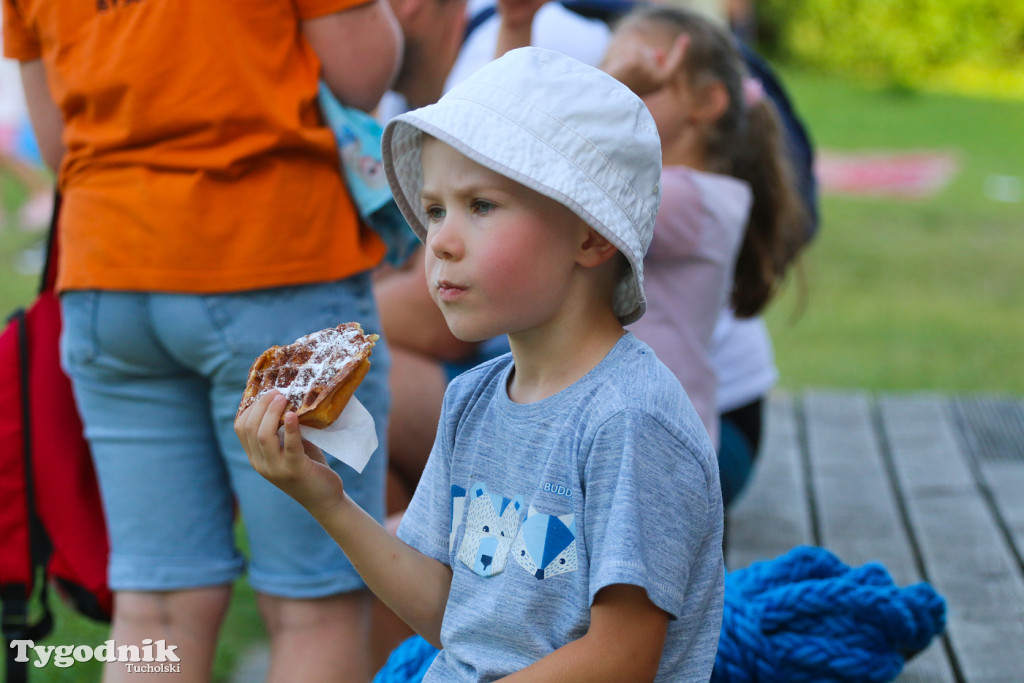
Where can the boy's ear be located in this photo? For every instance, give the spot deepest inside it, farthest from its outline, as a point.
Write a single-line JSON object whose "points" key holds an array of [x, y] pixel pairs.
{"points": [[595, 249]]}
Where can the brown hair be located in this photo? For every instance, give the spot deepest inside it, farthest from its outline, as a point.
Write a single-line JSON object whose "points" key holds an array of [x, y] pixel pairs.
{"points": [[745, 142]]}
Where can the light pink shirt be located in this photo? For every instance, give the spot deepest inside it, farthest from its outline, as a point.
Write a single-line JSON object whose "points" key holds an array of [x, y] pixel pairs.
{"points": [[688, 276]]}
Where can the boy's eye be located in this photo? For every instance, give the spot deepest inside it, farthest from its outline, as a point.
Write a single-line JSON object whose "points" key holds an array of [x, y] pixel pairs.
{"points": [[434, 213], [482, 207]]}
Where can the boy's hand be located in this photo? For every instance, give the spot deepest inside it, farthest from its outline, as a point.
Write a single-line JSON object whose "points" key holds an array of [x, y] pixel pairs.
{"points": [[295, 466]]}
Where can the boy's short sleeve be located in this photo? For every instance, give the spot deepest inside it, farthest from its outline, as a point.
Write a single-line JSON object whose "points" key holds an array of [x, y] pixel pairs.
{"points": [[20, 42], [648, 513], [427, 522], [311, 9]]}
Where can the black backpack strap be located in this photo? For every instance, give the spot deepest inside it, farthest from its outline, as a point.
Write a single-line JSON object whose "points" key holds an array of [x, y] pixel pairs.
{"points": [[49, 277], [477, 19], [16, 626]]}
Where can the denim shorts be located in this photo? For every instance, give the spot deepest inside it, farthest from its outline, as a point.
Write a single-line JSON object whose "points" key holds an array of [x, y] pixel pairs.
{"points": [[157, 379]]}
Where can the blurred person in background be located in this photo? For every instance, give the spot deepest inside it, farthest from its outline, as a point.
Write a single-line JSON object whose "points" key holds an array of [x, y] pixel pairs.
{"points": [[204, 219]]}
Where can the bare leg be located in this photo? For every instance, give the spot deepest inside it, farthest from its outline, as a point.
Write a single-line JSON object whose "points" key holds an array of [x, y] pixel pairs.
{"points": [[318, 639], [417, 390], [187, 619]]}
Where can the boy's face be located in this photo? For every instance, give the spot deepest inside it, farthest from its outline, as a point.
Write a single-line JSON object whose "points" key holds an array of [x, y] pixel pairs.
{"points": [[500, 258]]}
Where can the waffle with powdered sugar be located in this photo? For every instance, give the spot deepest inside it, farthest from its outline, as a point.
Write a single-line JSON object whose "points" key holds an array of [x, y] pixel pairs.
{"points": [[317, 374]]}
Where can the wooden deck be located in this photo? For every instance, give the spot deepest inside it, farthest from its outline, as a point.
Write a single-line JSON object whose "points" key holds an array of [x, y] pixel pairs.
{"points": [[930, 486]]}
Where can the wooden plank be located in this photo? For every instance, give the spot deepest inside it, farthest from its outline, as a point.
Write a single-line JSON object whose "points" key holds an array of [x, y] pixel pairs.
{"points": [[992, 427], [859, 515], [992, 431], [964, 553], [771, 517], [1005, 479]]}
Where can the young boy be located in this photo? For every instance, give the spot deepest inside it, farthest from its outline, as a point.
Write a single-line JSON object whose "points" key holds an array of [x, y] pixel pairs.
{"points": [[568, 524]]}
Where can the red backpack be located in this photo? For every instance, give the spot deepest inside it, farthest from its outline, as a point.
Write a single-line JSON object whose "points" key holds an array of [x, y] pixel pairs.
{"points": [[52, 530]]}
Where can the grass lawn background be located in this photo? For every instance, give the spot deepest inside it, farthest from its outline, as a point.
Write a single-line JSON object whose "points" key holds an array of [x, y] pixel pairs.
{"points": [[910, 294], [901, 295]]}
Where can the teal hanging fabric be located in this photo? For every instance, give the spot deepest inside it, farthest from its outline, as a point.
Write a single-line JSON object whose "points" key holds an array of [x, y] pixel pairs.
{"points": [[358, 136]]}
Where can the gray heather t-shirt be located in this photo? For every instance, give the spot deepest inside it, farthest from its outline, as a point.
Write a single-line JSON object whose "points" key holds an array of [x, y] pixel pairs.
{"points": [[538, 506]]}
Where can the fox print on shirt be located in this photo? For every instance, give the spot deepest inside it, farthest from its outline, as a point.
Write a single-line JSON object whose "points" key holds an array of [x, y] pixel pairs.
{"points": [[546, 545]]}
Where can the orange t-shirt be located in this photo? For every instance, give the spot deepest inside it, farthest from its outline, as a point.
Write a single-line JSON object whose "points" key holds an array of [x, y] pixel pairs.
{"points": [[197, 160]]}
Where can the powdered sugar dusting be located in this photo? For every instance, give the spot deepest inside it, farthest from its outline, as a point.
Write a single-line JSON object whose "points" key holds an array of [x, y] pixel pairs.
{"points": [[332, 350], [303, 369]]}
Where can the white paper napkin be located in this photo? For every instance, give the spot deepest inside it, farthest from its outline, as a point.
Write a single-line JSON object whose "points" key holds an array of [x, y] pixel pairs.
{"points": [[352, 438]]}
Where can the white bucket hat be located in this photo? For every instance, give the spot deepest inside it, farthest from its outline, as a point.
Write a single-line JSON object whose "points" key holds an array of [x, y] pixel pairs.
{"points": [[561, 128]]}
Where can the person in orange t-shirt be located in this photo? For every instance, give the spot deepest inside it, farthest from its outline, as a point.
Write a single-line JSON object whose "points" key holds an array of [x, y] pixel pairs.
{"points": [[204, 219]]}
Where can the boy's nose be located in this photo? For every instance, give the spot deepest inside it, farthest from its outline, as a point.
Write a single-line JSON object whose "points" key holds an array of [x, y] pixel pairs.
{"points": [[444, 239]]}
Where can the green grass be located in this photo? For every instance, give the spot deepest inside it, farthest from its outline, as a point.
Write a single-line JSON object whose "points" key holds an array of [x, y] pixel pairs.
{"points": [[910, 294], [15, 289]]}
